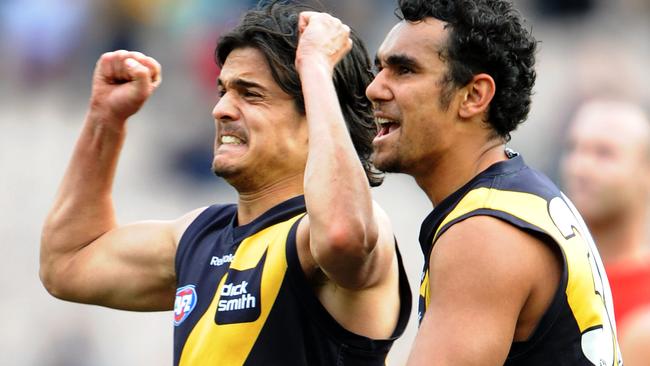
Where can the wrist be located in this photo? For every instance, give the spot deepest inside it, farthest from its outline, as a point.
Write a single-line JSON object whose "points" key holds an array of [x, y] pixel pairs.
{"points": [[106, 120], [309, 64]]}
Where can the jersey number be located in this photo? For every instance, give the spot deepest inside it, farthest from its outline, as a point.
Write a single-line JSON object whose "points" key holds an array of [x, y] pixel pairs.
{"points": [[598, 343]]}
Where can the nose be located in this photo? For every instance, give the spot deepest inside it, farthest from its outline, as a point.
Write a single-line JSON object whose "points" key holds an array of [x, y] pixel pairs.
{"points": [[225, 110], [379, 90]]}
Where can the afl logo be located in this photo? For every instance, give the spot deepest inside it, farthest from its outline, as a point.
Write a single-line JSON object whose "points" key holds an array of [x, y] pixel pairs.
{"points": [[184, 304]]}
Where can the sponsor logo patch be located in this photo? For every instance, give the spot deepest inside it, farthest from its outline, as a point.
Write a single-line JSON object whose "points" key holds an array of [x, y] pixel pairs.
{"points": [[239, 299], [185, 302]]}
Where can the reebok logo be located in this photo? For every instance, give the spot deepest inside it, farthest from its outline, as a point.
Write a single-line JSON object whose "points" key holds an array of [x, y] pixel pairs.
{"points": [[220, 261], [236, 297]]}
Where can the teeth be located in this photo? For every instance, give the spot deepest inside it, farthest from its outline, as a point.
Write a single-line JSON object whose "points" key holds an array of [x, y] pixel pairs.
{"points": [[227, 139], [382, 121]]}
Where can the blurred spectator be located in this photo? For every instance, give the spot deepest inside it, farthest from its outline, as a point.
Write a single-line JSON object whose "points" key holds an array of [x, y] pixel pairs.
{"points": [[562, 8], [606, 168], [637, 340], [42, 33]]}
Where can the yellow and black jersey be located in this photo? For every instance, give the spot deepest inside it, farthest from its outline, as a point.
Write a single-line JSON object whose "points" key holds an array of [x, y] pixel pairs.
{"points": [[243, 299], [578, 327]]}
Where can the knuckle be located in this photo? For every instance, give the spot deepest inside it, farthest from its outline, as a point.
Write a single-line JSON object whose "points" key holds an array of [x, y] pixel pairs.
{"points": [[106, 57]]}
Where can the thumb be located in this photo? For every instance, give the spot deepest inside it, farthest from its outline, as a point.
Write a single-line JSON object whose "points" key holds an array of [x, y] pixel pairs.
{"points": [[139, 74]]}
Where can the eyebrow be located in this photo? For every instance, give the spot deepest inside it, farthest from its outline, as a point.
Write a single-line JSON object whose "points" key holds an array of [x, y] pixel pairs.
{"points": [[240, 83], [398, 60]]}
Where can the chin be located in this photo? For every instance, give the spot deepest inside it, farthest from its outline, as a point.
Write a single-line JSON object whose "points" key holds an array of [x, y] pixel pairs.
{"points": [[223, 170], [388, 165], [386, 162]]}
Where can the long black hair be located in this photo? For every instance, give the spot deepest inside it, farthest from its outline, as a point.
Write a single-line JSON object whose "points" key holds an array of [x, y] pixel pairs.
{"points": [[272, 28]]}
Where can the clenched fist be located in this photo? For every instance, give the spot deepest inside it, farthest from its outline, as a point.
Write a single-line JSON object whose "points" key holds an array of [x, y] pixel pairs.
{"points": [[323, 39], [122, 82]]}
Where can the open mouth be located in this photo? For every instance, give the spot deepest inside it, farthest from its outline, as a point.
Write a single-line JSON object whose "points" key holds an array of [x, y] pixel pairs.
{"points": [[386, 126], [231, 140]]}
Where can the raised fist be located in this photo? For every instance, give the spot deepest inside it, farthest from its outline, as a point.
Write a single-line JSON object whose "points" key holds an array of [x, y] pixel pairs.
{"points": [[323, 38], [122, 82]]}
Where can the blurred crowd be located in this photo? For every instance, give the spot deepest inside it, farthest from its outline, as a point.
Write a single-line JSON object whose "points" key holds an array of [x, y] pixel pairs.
{"points": [[588, 49]]}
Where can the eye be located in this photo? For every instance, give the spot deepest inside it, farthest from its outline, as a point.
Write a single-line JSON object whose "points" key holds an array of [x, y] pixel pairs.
{"points": [[221, 92], [403, 70], [250, 94]]}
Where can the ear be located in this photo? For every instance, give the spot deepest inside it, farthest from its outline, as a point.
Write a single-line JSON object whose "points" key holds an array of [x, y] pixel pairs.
{"points": [[478, 95]]}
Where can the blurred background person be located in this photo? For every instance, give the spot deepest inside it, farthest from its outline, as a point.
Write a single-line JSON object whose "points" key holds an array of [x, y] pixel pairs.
{"points": [[606, 170], [637, 339]]}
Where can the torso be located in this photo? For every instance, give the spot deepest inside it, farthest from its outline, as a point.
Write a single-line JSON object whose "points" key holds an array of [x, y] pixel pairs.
{"points": [[251, 303], [578, 326]]}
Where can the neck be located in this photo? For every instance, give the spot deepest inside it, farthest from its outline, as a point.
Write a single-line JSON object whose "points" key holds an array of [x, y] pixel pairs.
{"points": [[621, 238], [459, 165], [254, 203]]}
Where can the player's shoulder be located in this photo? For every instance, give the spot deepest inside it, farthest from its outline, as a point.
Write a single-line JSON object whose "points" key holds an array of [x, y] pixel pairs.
{"points": [[526, 179], [483, 232], [200, 217], [487, 244]]}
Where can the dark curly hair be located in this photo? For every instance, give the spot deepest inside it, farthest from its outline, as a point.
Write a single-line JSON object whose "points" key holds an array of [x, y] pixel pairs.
{"points": [[485, 36], [272, 28]]}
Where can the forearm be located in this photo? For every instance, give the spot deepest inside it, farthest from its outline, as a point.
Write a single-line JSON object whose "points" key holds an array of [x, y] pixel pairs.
{"points": [[337, 192], [83, 209]]}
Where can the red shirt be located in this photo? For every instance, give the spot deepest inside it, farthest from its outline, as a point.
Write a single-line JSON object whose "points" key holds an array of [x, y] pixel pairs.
{"points": [[630, 284]]}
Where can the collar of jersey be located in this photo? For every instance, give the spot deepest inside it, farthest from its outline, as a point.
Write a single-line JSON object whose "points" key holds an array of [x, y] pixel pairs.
{"points": [[279, 213], [440, 211]]}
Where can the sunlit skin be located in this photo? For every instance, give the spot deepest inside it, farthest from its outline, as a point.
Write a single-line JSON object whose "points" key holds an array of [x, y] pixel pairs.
{"points": [[261, 148], [406, 91], [261, 138], [483, 297], [438, 134], [606, 171]]}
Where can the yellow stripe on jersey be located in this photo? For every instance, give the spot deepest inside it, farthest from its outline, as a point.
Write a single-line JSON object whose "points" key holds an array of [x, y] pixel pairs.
{"points": [[585, 304], [424, 287], [230, 344], [424, 291]]}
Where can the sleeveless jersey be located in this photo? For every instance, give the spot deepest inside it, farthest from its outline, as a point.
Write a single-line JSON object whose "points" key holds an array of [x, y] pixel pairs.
{"points": [[243, 299], [578, 328]]}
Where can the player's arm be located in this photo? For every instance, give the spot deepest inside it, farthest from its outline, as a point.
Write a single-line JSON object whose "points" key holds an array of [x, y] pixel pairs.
{"points": [[635, 337], [344, 236], [488, 280], [85, 256]]}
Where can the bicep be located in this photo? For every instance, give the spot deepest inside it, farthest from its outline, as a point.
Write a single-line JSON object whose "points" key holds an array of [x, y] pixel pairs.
{"points": [[479, 283], [463, 331], [130, 267]]}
